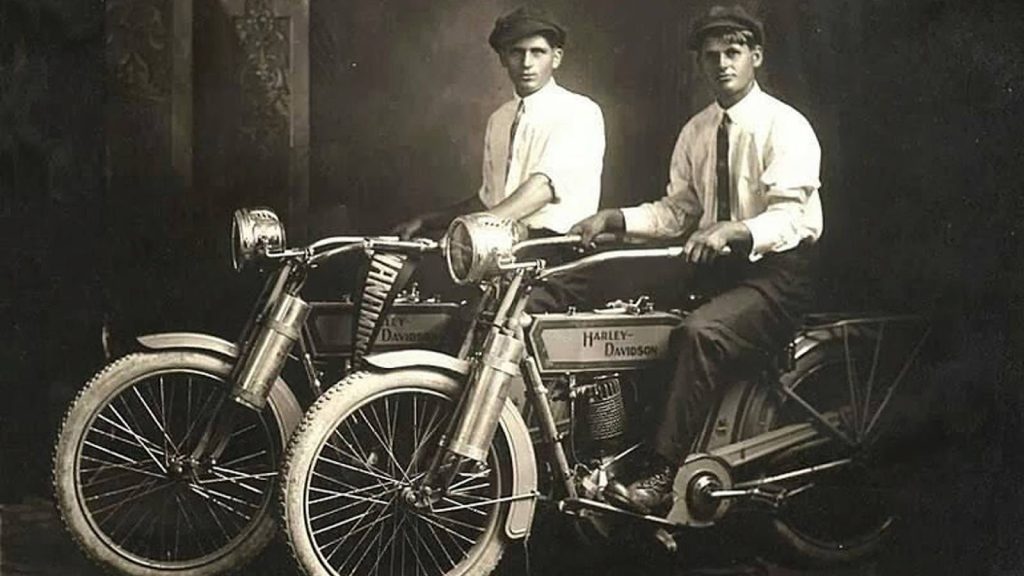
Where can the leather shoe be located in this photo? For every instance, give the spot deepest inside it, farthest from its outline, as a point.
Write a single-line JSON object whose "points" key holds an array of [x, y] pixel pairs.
{"points": [[651, 494]]}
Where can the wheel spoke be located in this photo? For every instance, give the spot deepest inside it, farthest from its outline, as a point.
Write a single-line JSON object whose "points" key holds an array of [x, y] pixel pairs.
{"points": [[199, 421], [350, 489], [383, 444], [422, 544], [222, 500], [367, 471], [122, 457], [141, 491], [208, 502], [382, 514], [236, 480], [137, 467], [456, 505], [431, 524], [199, 542], [431, 428], [440, 521], [137, 437], [240, 459]]}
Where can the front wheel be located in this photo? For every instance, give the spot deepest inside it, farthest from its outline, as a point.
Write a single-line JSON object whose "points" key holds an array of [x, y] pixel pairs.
{"points": [[351, 469], [127, 488]]}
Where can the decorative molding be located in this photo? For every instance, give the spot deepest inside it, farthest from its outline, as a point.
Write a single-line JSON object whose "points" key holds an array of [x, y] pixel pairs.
{"points": [[138, 38], [265, 40]]}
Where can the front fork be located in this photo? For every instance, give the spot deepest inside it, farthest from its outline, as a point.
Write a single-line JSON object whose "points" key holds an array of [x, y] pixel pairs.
{"points": [[467, 441], [265, 348]]}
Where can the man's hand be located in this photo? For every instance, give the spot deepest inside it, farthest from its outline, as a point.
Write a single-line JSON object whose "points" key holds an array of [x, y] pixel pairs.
{"points": [[709, 243], [607, 220], [409, 228]]}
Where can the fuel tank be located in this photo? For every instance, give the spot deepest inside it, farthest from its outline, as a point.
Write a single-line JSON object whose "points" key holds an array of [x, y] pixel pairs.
{"points": [[600, 341], [329, 328]]}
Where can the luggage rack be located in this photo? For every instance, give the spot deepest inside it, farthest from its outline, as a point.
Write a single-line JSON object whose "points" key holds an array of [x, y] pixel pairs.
{"points": [[878, 352]]}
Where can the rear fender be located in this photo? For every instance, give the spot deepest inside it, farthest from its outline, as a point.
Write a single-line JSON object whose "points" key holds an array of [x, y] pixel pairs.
{"points": [[524, 463]]}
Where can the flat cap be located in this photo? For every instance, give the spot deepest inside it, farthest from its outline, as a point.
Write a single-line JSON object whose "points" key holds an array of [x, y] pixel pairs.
{"points": [[725, 18], [522, 22]]}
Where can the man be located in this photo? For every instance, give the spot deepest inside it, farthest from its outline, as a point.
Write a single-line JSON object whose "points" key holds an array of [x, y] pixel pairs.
{"points": [[743, 184], [543, 150]]}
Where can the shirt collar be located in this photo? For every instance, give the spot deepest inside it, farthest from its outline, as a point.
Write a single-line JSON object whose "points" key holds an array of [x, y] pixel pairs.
{"points": [[539, 95], [745, 110]]}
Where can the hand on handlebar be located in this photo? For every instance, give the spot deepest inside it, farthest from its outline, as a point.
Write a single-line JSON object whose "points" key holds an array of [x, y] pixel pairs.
{"points": [[409, 228], [713, 242], [607, 220]]}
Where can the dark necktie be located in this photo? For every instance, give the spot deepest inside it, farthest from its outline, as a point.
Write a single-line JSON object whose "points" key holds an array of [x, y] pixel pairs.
{"points": [[724, 211], [512, 136]]}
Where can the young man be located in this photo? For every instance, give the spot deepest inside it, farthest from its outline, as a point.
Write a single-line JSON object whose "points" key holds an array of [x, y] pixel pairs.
{"points": [[543, 150], [743, 184]]}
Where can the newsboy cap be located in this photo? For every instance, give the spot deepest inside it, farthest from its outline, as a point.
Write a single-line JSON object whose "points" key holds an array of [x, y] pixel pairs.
{"points": [[725, 18], [522, 22]]}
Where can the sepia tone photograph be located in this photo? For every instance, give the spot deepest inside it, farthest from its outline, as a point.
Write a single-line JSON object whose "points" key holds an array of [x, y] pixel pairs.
{"points": [[511, 287]]}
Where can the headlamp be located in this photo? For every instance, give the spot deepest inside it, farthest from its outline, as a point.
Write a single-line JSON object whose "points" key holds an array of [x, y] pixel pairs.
{"points": [[476, 243], [253, 232]]}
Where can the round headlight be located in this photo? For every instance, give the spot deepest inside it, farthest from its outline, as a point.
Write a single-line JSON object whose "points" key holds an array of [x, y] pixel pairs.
{"points": [[475, 243], [253, 231]]}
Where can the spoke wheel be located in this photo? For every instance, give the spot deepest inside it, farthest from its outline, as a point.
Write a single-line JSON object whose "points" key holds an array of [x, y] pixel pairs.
{"points": [[128, 488], [353, 469], [838, 516]]}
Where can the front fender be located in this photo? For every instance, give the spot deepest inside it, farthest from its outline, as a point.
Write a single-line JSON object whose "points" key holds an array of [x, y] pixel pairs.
{"points": [[418, 359], [189, 341], [281, 393], [524, 462]]}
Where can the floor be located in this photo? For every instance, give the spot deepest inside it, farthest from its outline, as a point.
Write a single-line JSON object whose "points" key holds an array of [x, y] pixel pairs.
{"points": [[32, 542]]}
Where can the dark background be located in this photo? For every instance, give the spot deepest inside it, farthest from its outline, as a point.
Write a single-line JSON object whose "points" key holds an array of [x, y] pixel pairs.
{"points": [[918, 106]]}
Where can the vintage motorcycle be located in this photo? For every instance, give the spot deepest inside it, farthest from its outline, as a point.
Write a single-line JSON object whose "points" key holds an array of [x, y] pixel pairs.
{"points": [[423, 463], [166, 461]]}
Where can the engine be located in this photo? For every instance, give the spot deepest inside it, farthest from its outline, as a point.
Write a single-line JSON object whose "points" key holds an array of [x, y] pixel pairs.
{"points": [[600, 369]]}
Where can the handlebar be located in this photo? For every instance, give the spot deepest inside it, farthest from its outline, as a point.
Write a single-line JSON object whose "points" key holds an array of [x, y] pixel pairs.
{"points": [[564, 240], [672, 251], [330, 247], [626, 254]]}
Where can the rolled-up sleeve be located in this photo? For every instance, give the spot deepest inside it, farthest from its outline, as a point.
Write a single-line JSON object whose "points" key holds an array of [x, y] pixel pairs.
{"points": [[670, 215], [573, 155], [790, 179]]}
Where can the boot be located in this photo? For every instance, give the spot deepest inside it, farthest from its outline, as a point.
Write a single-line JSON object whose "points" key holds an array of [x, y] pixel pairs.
{"points": [[651, 494]]}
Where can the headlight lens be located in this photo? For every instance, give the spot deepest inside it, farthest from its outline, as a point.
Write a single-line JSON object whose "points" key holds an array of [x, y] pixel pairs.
{"points": [[475, 243], [253, 231]]}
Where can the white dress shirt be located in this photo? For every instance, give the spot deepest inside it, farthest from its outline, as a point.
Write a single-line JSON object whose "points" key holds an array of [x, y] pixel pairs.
{"points": [[774, 162], [560, 135]]}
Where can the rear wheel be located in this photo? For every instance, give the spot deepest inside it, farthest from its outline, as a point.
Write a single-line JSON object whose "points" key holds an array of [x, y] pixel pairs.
{"points": [[351, 470], [840, 515], [127, 489]]}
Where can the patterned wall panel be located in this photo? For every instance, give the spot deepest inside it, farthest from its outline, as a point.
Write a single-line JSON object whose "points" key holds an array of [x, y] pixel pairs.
{"points": [[149, 77], [253, 122]]}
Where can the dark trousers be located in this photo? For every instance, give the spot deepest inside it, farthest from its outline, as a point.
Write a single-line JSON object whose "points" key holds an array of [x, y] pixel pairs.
{"points": [[558, 293], [754, 310]]}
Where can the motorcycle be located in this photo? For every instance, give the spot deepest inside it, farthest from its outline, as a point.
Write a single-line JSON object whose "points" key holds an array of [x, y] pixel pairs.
{"points": [[429, 463], [166, 461]]}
